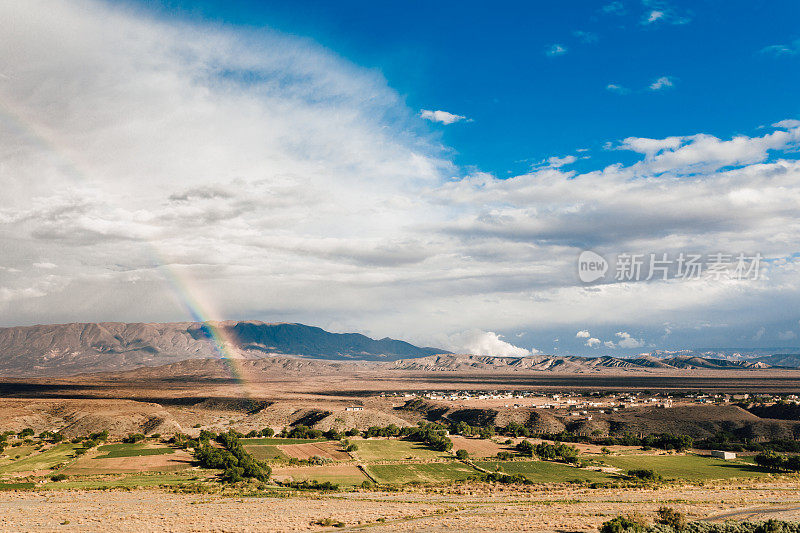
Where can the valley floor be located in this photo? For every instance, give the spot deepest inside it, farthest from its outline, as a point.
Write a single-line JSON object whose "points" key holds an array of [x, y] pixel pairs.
{"points": [[467, 508]]}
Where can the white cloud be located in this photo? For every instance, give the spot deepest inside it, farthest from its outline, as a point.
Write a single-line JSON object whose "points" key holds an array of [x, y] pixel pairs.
{"points": [[663, 12], [610, 344], [45, 266], [626, 341], [653, 16], [619, 89], [442, 117], [556, 50], [614, 8], [558, 162], [477, 342], [787, 335], [661, 83], [787, 124], [583, 334], [585, 36], [760, 333], [782, 49], [592, 342]]}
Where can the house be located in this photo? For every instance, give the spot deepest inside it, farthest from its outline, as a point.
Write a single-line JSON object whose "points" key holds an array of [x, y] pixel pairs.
{"points": [[354, 408], [723, 455]]}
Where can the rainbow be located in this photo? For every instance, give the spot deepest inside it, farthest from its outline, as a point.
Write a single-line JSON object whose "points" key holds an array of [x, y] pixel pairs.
{"points": [[189, 295]]}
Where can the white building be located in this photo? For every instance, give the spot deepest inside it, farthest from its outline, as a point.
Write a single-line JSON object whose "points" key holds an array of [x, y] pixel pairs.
{"points": [[723, 455]]}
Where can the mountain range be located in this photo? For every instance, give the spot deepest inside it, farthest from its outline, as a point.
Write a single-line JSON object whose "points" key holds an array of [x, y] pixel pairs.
{"points": [[64, 349], [194, 348]]}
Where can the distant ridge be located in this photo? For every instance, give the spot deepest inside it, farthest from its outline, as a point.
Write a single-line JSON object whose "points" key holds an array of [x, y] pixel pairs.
{"points": [[65, 349], [452, 362]]}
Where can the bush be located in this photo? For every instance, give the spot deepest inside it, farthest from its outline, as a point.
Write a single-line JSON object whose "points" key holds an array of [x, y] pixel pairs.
{"points": [[462, 455], [133, 438], [630, 523], [58, 477], [670, 517], [643, 474]]}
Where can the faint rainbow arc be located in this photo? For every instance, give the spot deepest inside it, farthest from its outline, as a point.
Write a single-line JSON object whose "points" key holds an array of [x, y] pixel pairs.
{"points": [[221, 341]]}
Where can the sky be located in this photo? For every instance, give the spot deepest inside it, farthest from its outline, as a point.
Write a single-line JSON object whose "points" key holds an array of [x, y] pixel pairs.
{"points": [[429, 171]]}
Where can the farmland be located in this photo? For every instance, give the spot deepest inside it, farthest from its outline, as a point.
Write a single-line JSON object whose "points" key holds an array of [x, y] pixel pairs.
{"points": [[688, 467], [544, 471], [43, 460], [345, 476], [370, 450], [421, 472]]}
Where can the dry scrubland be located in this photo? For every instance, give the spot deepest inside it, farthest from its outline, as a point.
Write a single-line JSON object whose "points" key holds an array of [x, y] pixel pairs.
{"points": [[467, 508]]}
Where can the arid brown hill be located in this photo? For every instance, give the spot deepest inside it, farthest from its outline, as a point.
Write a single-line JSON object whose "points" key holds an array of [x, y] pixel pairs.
{"points": [[64, 349]]}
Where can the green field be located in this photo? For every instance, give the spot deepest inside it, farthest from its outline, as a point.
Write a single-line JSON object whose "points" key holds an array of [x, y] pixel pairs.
{"points": [[17, 486], [340, 475], [544, 471], [45, 460], [272, 441], [123, 481], [262, 452], [689, 467], [130, 450], [395, 450], [16, 453], [422, 472]]}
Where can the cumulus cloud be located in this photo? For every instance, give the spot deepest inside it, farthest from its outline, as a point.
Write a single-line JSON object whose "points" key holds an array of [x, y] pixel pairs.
{"points": [[787, 335], [442, 117], [583, 334], [592, 342], [627, 341], [556, 50], [477, 342], [760, 333], [663, 82]]}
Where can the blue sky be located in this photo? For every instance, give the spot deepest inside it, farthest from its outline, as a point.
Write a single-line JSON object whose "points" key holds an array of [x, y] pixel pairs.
{"points": [[421, 170], [490, 63]]}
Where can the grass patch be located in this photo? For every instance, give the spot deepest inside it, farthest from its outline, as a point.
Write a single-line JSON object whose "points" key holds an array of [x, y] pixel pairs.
{"points": [[130, 450], [121, 481], [544, 471], [274, 441], [60, 453], [12, 453], [262, 452], [423, 472], [689, 467], [394, 450], [17, 486]]}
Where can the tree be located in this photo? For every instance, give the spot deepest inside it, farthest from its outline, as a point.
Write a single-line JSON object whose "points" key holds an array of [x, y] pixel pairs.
{"points": [[462, 455], [525, 448]]}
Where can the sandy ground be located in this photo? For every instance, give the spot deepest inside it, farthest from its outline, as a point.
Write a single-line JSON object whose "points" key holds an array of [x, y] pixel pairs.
{"points": [[559, 509]]}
